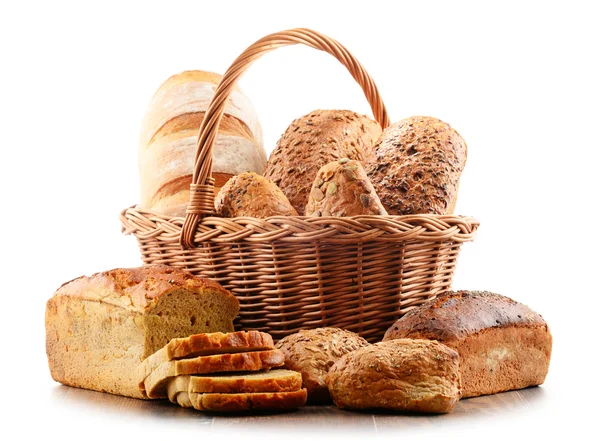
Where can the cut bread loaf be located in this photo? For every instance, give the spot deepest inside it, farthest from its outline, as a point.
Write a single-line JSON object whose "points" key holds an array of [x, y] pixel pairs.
{"points": [[503, 345], [207, 344], [312, 352], [276, 380], [169, 135], [155, 384], [100, 328], [244, 402], [342, 188], [312, 141], [401, 375], [249, 194], [416, 166]]}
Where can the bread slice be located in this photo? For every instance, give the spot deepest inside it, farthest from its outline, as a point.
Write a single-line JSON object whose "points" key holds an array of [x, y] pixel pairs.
{"points": [[277, 380], [155, 385], [206, 344], [244, 402]]}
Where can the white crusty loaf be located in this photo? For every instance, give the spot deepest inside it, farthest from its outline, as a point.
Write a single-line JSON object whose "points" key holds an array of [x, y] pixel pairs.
{"points": [[170, 131], [100, 328]]}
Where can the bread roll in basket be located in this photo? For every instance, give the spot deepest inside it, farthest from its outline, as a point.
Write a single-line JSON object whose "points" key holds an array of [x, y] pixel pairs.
{"points": [[359, 273]]}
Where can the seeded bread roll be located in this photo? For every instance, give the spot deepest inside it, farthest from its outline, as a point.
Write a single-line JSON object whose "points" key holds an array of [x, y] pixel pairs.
{"points": [[249, 194], [342, 188], [312, 352], [416, 166], [100, 328], [503, 345], [403, 375], [314, 140]]}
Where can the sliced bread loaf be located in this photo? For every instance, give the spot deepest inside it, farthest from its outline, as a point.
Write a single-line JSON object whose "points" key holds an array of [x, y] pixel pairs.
{"points": [[245, 402]]}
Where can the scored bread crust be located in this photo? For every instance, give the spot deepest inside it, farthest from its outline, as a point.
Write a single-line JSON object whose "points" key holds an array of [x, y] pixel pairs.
{"points": [[155, 384], [503, 344], [312, 352], [207, 344], [245, 402], [342, 188], [252, 195], [416, 166], [401, 375], [313, 140], [275, 380]]}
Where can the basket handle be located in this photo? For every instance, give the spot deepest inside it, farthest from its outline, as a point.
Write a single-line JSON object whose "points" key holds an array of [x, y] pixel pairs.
{"points": [[202, 187]]}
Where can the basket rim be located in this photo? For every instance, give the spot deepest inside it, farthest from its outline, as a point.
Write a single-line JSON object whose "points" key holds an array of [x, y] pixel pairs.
{"points": [[147, 224]]}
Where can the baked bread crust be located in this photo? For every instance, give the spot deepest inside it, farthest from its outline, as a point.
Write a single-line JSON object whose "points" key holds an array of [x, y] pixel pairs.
{"points": [[155, 384], [312, 352], [246, 402], [402, 375], [276, 380], [252, 195], [416, 166], [503, 344], [342, 188], [312, 141]]}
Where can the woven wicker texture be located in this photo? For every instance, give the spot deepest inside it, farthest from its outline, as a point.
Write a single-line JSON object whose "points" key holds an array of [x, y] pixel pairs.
{"points": [[291, 273]]}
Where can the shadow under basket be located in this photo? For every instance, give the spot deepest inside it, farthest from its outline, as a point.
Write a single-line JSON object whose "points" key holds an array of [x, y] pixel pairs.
{"points": [[359, 273]]}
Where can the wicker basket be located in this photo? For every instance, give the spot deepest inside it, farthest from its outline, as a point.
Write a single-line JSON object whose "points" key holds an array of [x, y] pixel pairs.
{"points": [[289, 273]]}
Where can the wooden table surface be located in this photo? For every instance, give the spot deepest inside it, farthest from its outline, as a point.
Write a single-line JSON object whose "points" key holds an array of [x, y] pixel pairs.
{"points": [[305, 418]]}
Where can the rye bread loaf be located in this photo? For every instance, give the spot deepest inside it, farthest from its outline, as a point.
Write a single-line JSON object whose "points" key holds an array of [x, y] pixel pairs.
{"points": [[503, 344], [155, 384], [245, 402], [416, 165], [401, 375], [275, 380], [312, 141], [252, 195], [312, 352], [342, 188], [100, 328]]}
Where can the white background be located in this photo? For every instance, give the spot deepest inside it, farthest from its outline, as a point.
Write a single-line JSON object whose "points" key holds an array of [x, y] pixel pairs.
{"points": [[518, 80]]}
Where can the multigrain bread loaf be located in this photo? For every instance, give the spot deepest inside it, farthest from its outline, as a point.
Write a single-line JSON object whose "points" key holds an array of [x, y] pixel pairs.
{"points": [[170, 131], [312, 141], [312, 352], [276, 380], [416, 166], [402, 375], [249, 194], [503, 345], [342, 188], [100, 328], [155, 384], [274, 401]]}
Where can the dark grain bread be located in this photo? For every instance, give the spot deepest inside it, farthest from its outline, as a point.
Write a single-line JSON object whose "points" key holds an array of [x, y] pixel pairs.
{"points": [[402, 375], [416, 166], [100, 328], [342, 188], [312, 141], [312, 352], [503, 345], [249, 194]]}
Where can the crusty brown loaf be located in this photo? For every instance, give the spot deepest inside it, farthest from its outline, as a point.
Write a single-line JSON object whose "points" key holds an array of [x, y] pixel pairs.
{"points": [[403, 375], [100, 328], [312, 352], [342, 188], [275, 380], [207, 344], [245, 402], [503, 345], [252, 195], [416, 166], [155, 384], [312, 141], [170, 131]]}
